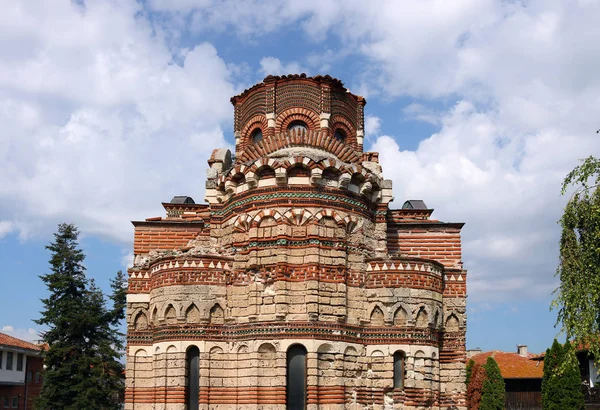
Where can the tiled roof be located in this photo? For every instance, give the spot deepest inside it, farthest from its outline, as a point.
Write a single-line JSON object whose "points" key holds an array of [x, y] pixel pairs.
{"points": [[514, 366], [6, 340]]}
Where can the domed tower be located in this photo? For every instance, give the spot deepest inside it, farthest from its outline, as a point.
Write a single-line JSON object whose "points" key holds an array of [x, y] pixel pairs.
{"points": [[296, 286]]}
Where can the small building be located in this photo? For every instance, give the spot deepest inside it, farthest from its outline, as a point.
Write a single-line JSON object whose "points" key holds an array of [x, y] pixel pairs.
{"points": [[522, 375], [20, 372]]}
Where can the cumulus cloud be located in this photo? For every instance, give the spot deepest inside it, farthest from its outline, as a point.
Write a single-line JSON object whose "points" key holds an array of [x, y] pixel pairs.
{"points": [[100, 125], [274, 66], [29, 335]]}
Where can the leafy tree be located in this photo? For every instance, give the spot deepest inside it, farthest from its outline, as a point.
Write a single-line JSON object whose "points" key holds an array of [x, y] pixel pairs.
{"points": [[578, 295], [82, 362], [561, 384], [475, 386], [494, 392]]}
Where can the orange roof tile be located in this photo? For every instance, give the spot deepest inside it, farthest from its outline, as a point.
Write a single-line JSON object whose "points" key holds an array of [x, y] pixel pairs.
{"points": [[6, 340], [513, 365]]}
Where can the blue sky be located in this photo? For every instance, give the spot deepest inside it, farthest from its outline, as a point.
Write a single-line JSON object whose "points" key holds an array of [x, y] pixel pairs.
{"points": [[478, 107]]}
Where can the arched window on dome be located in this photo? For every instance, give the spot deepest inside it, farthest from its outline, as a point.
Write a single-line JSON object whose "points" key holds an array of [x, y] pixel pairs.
{"points": [[256, 135], [399, 359], [192, 373], [297, 125], [340, 135], [296, 378]]}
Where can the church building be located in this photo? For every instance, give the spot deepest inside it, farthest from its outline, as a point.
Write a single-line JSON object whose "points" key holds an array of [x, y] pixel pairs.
{"points": [[296, 285]]}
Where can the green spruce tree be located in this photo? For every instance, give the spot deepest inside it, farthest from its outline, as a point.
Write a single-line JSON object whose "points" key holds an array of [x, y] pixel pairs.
{"points": [[493, 393], [82, 368], [561, 384]]}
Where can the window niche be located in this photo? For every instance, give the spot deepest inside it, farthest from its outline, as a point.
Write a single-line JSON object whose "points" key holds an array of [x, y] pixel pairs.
{"points": [[399, 369], [296, 378]]}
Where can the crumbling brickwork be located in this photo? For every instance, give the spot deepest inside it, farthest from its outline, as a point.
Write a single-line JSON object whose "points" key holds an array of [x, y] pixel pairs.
{"points": [[296, 246]]}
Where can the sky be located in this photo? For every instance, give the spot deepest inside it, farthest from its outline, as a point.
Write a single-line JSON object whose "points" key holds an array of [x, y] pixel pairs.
{"points": [[478, 107]]}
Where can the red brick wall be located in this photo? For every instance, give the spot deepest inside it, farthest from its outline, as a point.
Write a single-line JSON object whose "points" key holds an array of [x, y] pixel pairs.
{"points": [[440, 243], [163, 236]]}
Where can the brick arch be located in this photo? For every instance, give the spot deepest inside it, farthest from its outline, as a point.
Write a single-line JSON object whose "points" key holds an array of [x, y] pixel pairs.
{"points": [[242, 222], [299, 161], [340, 121], [258, 121], [266, 213], [311, 118], [330, 213], [297, 217]]}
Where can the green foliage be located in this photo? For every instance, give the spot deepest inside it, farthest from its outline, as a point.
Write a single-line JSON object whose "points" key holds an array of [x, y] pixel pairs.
{"points": [[470, 365], [578, 295], [561, 384], [494, 392], [82, 362]]}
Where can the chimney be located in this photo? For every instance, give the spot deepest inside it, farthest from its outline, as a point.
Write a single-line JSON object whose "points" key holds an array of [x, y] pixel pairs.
{"points": [[473, 352], [522, 350]]}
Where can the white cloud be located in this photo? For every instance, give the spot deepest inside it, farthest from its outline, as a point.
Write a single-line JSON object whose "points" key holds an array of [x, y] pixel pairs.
{"points": [[420, 112], [274, 66], [127, 260], [372, 126], [100, 126], [30, 335]]}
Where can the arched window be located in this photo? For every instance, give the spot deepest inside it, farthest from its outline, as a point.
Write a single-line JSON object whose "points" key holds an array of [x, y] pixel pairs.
{"points": [[296, 378], [256, 135], [339, 135], [192, 372], [399, 357], [297, 125]]}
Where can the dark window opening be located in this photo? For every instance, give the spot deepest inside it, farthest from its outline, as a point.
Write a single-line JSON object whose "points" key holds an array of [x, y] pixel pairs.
{"points": [[296, 378], [20, 362], [256, 135], [29, 376], [297, 125], [298, 171], [331, 174], [9, 360], [266, 172], [399, 370], [15, 402], [1, 354], [339, 135], [192, 370], [38, 377]]}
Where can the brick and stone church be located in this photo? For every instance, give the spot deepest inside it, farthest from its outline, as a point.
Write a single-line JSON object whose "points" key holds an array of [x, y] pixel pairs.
{"points": [[296, 286]]}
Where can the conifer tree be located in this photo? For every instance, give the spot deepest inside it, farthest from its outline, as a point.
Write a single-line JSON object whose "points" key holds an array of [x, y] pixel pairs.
{"points": [[82, 368], [561, 384], [494, 392]]}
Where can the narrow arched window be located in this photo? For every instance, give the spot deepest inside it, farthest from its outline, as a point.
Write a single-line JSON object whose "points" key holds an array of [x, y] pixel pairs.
{"points": [[192, 372], [399, 370], [256, 135], [296, 378], [297, 125]]}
